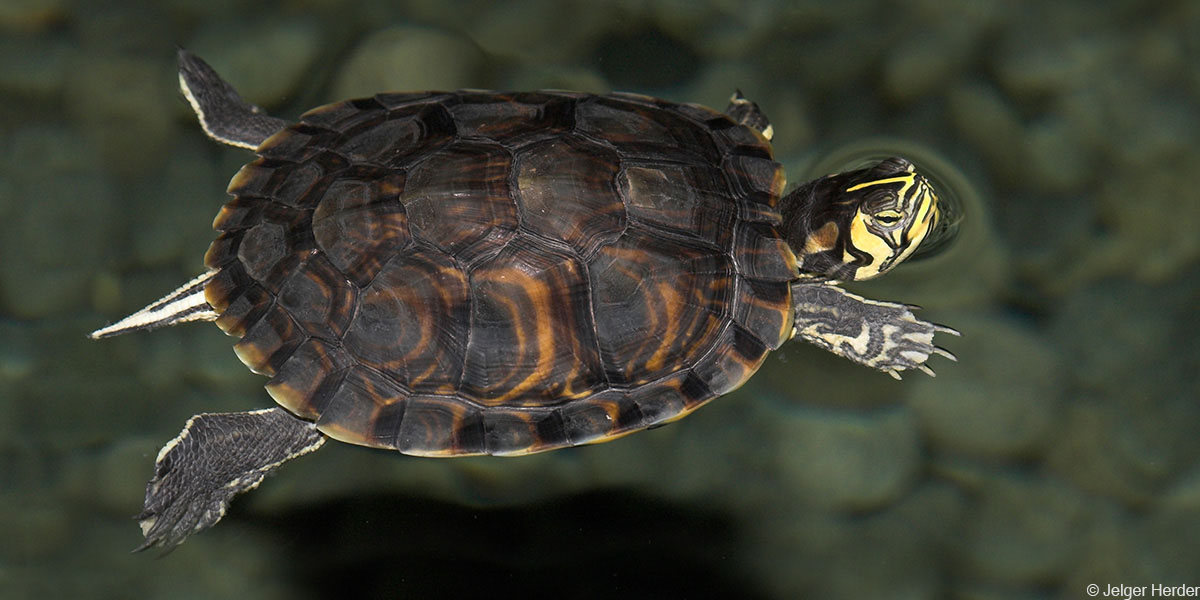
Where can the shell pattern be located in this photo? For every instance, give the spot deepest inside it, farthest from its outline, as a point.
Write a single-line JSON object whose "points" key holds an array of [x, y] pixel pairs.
{"points": [[488, 273]]}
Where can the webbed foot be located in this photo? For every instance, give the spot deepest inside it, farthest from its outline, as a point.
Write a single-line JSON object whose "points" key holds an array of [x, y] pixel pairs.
{"points": [[216, 457]]}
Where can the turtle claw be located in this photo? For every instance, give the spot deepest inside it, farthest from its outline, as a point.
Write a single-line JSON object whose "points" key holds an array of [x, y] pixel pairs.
{"points": [[940, 351], [943, 329], [926, 370]]}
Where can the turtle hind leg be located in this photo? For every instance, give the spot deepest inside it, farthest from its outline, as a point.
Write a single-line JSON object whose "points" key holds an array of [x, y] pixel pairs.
{"points": [[223, 114], [749, 114], [183, 305], [882, 335], [216, 457]]}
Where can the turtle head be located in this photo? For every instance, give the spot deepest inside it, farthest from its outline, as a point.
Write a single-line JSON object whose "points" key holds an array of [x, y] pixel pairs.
{"points": [[860, 224]]}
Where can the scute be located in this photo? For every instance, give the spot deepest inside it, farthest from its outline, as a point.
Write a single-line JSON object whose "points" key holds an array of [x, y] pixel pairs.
{"points": [[556, 169], [658, 305], [532, 340], [689, 200], [307, 379], [480, 272], [262, 248], [517, 119], [412, 322], [359, 223], [458, 199], [642, 127], [319, 298]]}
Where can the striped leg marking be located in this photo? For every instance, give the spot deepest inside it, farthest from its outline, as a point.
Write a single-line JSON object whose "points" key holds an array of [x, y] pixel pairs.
{"points": [[881, 335], [180, 306]]}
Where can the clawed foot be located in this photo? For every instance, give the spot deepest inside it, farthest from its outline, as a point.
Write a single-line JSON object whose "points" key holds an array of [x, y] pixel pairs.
{"points": [[911, 340], [882, 335]]}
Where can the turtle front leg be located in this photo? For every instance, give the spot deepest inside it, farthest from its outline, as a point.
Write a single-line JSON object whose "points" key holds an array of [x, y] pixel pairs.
{"points": [[881, 335], [216, 457]]}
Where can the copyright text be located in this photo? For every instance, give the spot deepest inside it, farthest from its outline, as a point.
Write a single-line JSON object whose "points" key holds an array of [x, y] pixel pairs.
{"points": [[1128, 592]]}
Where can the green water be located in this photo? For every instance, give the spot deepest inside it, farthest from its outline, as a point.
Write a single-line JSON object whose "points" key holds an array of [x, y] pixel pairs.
{"points": [[1062, 450]]}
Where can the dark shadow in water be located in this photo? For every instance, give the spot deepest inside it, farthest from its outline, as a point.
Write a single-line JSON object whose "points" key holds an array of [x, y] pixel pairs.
{"points": [[600, 545]]}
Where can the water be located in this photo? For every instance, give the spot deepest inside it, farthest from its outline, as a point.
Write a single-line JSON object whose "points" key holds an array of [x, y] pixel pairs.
{"points": [[1060, 451]]}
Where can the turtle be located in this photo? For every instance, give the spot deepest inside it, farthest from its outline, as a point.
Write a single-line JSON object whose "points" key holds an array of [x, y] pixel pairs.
{"points": [[503, 273]]}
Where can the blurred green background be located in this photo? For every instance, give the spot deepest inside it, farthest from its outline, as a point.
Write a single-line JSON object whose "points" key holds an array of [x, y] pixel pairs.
{"points": [[1063, 449]]}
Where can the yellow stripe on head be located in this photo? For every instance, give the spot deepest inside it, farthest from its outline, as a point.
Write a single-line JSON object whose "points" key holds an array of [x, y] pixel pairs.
{"points": [[861, 224], [916, 206], [902, 178]]}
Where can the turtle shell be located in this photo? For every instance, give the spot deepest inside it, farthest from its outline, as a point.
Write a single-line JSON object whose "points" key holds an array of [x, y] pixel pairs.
{"points": [[490, 273]]}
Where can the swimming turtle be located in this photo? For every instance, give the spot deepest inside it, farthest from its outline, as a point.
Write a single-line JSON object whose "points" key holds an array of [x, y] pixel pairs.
{"points": [[476, 272]]}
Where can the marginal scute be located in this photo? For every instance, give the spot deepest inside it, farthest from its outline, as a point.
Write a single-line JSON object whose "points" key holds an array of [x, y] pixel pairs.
{"points": [[397, 100], [717, 122], [350, 412], [255, 179], [434, 129], [764, 310], [639, 128], [515, 119], [340, 116], [220, 290], [592, 418], [222, 252], [269, 342], [509, 431], [244, 310], [760, 179], [300, 385], [745, 139], [293, 144], [661, 401], [621, 120], [762, 253], [437, 426], [286, 183], [741, 355], [240, 213]]}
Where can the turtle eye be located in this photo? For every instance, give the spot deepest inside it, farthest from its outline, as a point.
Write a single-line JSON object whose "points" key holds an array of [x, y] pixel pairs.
{"points": [[888, 218]]}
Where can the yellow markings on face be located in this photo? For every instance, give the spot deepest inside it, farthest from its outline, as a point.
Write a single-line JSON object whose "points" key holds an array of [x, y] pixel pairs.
{"points": [[866, 240], [907, 179], [925, 220], [891, 235], [822, 240]]}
